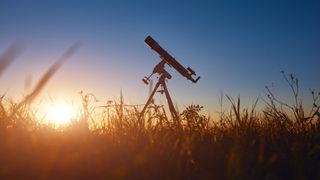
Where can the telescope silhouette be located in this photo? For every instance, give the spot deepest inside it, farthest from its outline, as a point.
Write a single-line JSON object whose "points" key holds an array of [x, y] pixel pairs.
{"points": [[171, 61], [164, 75]]}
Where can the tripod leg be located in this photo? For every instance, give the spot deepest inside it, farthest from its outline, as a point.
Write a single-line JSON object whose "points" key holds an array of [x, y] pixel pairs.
{"points": [[150, 98], [171, 106]]}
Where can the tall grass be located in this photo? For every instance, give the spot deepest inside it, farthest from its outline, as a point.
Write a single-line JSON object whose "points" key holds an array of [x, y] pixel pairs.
{"points": [[278, 142], [241, 144]]}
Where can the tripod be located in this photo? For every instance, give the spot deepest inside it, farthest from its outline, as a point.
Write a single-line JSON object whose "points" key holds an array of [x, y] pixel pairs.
{"points": [[161, 83]]}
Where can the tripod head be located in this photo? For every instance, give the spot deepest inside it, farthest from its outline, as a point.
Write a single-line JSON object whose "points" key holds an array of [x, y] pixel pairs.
{"points": [[158, 69]]}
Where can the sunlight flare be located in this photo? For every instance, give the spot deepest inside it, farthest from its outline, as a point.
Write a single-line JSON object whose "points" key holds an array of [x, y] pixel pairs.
{"points": [[60, 114]]}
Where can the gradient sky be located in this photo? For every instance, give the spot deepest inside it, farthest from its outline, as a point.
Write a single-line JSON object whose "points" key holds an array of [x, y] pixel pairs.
{"points": [[237, 47]]}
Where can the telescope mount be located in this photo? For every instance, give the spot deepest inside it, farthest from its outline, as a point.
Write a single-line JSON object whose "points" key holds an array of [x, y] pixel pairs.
{"points": [[164, 75]]}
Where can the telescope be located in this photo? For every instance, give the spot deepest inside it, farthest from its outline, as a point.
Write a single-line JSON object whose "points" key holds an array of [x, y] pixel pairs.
{"points": [[171, 61], [164, 75]]}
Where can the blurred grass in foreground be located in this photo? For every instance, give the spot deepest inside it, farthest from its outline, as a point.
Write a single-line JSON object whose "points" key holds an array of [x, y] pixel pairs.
{"points": [[279, 142]]}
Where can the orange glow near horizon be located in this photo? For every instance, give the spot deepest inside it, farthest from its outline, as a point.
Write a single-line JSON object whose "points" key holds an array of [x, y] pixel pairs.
{"points": [[58, 113]]}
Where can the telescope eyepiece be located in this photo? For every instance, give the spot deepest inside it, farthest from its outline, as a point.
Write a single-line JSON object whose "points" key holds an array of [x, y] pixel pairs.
{"points": [[191, 71]]}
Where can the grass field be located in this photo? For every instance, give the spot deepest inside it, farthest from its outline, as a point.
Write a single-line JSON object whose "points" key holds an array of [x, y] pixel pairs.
{"points": [[241, 144], [280, 141]]}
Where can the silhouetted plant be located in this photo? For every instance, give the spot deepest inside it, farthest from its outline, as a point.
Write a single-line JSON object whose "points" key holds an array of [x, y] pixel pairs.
{"points": [[114, 142], [194, 119]]}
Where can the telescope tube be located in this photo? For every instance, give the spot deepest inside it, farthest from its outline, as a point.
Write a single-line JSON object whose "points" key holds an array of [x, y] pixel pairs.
{"points": [[168, 58]]}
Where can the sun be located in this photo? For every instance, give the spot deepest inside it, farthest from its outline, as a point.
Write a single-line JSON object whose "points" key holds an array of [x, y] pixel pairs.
{"points": [[60, 114]]}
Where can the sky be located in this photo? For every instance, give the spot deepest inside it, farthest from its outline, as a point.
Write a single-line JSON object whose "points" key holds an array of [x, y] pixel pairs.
{"points": [[237, 47]]}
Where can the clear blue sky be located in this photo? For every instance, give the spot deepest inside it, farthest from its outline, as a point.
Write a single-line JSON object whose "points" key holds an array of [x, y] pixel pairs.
{"points": [[237, 47]]}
